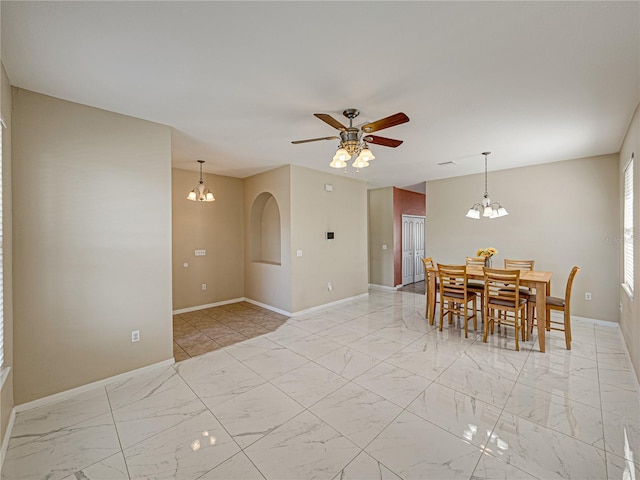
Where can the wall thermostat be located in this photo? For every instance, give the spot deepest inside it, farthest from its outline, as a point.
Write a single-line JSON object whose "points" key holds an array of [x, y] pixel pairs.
{"points": [[329, 235]]}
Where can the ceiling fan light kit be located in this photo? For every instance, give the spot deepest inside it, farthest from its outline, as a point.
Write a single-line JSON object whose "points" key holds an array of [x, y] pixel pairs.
{"points": [[487, 208], [353, 140], [201, 193]]}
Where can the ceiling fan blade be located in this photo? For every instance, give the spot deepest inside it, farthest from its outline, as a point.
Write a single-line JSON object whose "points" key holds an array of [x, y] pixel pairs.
{"points": [[296, 142], [385, 142], [331, 121], [390, 121]]}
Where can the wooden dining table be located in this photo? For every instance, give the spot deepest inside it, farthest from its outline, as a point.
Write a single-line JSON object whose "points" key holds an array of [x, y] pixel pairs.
{"points": [[538, 280]]}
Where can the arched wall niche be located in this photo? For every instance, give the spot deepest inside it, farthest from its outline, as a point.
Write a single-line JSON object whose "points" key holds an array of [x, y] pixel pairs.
{"points": [[264, 230]]}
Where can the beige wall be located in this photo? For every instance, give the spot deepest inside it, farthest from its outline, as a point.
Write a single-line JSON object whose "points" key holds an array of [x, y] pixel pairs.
{"points": [[269, 283], [92, 247], [342, 261], [630, 316], [216, 227], [380, 211], [6, 396], [560, 214]]}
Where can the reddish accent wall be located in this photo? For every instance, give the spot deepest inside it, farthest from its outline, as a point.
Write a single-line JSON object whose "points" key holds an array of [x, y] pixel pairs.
{"points": [[404, 203]]}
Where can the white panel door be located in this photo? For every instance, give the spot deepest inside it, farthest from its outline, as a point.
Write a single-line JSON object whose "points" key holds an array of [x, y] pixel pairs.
{"points": [[412, 249], [418, 269], [408, 252]]}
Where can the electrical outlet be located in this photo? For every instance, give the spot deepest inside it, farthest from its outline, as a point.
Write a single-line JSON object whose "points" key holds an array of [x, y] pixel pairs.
{"points": [[329, 286], [204, 287], [587, 296], [135, 336]]}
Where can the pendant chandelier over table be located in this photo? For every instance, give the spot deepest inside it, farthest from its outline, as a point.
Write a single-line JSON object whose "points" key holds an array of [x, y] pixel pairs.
{"points": [[487, 208]]}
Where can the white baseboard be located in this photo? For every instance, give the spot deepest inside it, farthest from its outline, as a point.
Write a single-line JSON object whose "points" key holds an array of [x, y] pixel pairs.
{"points": [[268, 307], [56, 397], [7, 436], [208, 305], [328, 305], [384, 288]]}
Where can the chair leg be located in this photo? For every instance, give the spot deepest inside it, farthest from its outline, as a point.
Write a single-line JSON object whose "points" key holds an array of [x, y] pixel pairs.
{"points": [[464, 319], [516, 327], [531, 317], [567, 328], [442, 305], [475, 313], [485, 331]]}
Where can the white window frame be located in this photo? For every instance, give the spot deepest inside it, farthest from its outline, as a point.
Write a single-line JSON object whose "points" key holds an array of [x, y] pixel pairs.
{"points": [[627, 229]]}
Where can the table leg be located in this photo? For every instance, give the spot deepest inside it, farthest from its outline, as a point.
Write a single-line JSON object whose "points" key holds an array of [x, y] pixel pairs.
{"points": [[541, 311]]}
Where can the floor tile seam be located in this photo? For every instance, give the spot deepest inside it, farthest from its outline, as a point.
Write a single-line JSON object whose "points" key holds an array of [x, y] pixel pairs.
{"points": [[189, 417], [317, 401], [602, 414], [305, 410], [608, 452], [241, 452], [340, 375], [490, 454], [604, 438], [431, 380], [537, 387], [267, 380], [506, 410], [115, 427], [444, 430], [39, 436], [502, 409], [545, 427], [561, 371], [627, 356], [207, 409], [158, 390]]}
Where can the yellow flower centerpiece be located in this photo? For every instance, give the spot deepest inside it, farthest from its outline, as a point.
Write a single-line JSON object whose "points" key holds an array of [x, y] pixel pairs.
{"points": [[487, 253]]}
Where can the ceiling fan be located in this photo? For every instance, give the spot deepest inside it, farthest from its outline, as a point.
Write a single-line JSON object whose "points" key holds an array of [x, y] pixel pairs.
{"points": [[353, 140]]}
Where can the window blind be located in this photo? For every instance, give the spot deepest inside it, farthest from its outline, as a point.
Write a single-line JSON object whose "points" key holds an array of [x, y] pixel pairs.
{"points": [[628, 225]]}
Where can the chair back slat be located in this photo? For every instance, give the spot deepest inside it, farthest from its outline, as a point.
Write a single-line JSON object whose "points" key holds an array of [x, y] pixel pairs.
{"points": [[519, 264], [428, 264], [475, 261], [502, 285], [453, 279]]}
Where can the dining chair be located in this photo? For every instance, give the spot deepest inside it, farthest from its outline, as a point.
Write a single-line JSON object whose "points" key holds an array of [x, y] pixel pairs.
{"points": [[525, 292], [455, 297], [502, 294], [558, 304], [476, 287], [429, 266], [520, 265]]}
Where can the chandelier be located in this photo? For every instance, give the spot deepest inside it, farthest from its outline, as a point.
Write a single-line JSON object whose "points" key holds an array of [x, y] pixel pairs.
{"points": [[201, 193], [486, 208]]}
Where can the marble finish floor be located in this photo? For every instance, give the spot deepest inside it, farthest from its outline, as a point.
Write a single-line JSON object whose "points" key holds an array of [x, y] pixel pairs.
{"points": [[363, 390]]}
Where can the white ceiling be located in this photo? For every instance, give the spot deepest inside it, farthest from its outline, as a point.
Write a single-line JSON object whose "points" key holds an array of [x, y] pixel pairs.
{"points": [[533, 82]]}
